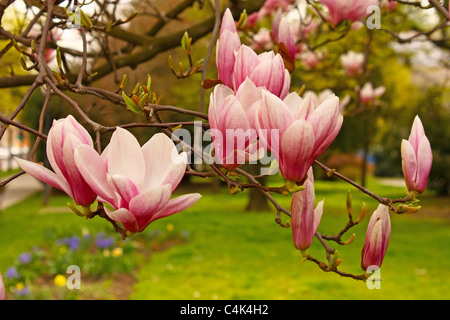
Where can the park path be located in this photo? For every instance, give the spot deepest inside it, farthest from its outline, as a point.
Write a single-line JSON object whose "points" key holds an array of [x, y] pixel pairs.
{"points": [[18, 190]]}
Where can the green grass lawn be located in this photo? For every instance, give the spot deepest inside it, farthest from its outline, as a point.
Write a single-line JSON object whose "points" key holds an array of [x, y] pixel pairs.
{"points": [[232, 254]]}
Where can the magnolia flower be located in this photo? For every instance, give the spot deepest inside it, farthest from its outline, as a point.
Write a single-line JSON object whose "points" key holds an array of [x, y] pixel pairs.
{"points": [[136, 182], [417, 158], [265, 70], [377, 238], [389, 4], [305, 219], [228, 116], [227, 44], [369, 94], [304, 130], [2, 288], [63, 138], [310, 59], [262, 40], [269, 7], [282, 33], [352, 10], [324, 94], [353, 62]]}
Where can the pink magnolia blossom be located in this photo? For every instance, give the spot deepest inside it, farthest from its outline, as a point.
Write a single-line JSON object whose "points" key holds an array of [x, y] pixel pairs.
{"points": [[389, 4], [353, 62], [269, 7], [311, 59], [305, 219], [63, 138], [228, 116], [324, 94], [283, 33], [305, 130], [265, 70], [352, 10], [2, 288], [369, 94], [136, 182], [377, 238], [262, 40], [227, 44], [417, 158]]}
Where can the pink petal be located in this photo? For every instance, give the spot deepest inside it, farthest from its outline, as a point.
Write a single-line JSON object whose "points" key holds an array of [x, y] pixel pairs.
{"points": [[177, 204], [163, 164], [286, 84], [270, 74], [297, 145], [94, 171], [43, 174], [126, 189], [226, 47], [318, 211], [125, 156], [54, 147], [147, 204], [228, 22], [78, 130], [417, 132], [248, 93], [409, 164], [125, 217], [301, 109], [82, 192], [424, 162], [2, 288], [286, 36], [246, 61], [274, 113], [302, 210], [217, 98]]}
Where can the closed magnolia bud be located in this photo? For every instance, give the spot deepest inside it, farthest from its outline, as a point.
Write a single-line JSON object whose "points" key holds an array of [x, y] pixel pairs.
{"points": [[305, 219], [377, 238], [417, 158], [228, 43]]}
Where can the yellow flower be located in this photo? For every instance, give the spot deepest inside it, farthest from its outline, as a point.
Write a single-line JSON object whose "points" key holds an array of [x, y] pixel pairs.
{"points": [[170, 227], [60, 280], [20, 286], [117, 252], [106, 253]]}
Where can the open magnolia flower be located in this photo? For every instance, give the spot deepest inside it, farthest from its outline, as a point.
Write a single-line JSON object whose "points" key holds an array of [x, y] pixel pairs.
{"points": [[136, 182], [265, 70], [304, 130], [352, 10], [63, 138], [233, 137], [368, 93]]}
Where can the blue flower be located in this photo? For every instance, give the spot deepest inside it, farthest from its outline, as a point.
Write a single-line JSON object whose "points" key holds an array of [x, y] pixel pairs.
{"points": [[12, 273], [25, 257], [73, 243], [104, 242]]}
